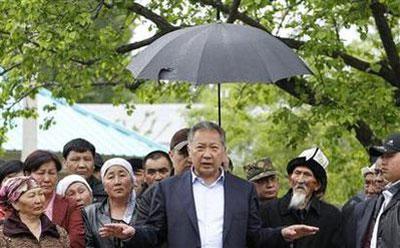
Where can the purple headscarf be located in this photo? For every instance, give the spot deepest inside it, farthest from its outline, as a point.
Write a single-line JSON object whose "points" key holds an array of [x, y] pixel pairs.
{"points": [[14, 187]]}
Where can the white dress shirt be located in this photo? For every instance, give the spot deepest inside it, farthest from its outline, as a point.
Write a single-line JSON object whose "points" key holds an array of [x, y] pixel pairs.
{"points": [[388, 196], [209, 204]]}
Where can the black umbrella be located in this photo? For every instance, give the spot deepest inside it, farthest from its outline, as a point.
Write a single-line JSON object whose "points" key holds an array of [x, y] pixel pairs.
{"points": [[218, 53]]}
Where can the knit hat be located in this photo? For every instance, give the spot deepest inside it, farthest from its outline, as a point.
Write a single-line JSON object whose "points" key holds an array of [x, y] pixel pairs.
{"points": [[64, 184], [316, 161], [117, 161], [14, 187], [260, 169]]}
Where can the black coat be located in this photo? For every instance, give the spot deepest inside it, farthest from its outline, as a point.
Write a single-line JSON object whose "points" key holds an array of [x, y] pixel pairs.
{"points": [[320, 214], [389, 223]]}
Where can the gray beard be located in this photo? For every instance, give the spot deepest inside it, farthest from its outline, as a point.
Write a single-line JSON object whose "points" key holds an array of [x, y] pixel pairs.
{"points": [[298, 200]]}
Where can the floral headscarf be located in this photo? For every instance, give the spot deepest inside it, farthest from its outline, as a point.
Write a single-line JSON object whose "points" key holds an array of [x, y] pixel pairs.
{"points": [[14, 187]]}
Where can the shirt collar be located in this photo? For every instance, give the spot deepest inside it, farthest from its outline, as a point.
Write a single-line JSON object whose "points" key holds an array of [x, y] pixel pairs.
{"points": [[196, 178], [392, 188]]}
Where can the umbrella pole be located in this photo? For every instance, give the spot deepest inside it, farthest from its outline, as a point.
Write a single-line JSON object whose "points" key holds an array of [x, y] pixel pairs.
{"points": [[219, 85], [219, 104]]}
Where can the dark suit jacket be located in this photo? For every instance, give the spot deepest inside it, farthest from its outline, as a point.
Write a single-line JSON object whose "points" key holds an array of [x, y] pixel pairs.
{"points": [[173, 216], [68, 216], [389, 223]]}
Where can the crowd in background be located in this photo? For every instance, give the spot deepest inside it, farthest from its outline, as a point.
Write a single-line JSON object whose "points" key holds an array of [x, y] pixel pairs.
{"points": [[188, 197]]}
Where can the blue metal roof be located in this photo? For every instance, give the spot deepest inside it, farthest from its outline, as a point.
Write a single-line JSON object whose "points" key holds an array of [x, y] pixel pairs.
{"points": [[76, 122]]}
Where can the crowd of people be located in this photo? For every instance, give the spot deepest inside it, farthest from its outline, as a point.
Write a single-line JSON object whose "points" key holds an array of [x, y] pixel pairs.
{"points": [[189, 197]]}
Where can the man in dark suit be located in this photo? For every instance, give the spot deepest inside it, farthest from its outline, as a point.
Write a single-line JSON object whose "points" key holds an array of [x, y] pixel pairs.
{"points": [[205, 207], [376, 222]]}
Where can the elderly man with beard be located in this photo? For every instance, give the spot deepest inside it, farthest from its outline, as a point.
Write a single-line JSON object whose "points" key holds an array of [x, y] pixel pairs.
{"points": [[303, 204]]}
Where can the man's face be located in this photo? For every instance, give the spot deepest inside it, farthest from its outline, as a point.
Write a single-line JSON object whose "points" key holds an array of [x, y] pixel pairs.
{"points": [[156, 170], [206, 152], [369, 185], [267, 188], [303, 180], [379, 183], [180, 160], [81, 163], [390, 166], [139, 176]]}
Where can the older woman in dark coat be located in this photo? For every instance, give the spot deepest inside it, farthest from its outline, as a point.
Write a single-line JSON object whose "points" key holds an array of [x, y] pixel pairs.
{"points": [[28, 226], [118, 180], [44, 166]]}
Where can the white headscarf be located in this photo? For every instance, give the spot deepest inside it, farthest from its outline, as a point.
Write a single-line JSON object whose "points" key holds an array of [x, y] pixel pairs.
{"points": [[117, 161], [64, 184]]}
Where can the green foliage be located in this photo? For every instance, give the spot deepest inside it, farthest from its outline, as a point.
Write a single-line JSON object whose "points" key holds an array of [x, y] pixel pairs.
{"points": [[71, 48]]}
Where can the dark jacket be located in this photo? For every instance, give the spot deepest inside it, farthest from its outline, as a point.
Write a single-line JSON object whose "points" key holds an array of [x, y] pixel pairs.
{"points": [[348, 207], [97, 189], [173, 216], [15, 234], [320, 214], [95, 216], [389, 222], [143, 205]]}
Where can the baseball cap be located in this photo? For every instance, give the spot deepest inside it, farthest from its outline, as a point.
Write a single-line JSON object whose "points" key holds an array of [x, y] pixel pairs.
{"points": [[390, 145], [179, 140], [260, 169]]}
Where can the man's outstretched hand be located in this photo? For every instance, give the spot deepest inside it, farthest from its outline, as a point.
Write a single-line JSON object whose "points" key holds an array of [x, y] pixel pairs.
{"points": [[119, 230], [293, 232]]}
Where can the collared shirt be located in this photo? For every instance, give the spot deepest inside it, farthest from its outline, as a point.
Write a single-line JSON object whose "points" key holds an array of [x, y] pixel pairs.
{"points": [[209, 203], [388, 195], [49, 209]]}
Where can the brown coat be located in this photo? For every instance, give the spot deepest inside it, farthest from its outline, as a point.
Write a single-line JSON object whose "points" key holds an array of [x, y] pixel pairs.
{"points": [[68, 216], [15, 234]]}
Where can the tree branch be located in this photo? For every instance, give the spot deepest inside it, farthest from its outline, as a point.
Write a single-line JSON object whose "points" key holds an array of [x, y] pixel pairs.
{"points": [[133, 86], [233, 11], [9, 69], [298, 88], [160, 21], [139, 44], [364, 134], [385, 72], [244, 18], [378, 11]]}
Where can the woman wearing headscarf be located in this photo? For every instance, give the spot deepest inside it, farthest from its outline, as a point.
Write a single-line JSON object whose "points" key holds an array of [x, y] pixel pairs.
{"points": [[76, 189], [28, 226], [118, 181], [9, 169], [44, 166]]}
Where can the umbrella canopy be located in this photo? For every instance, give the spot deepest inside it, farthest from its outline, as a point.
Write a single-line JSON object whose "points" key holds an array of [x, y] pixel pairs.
{"points": [[218, 53]]}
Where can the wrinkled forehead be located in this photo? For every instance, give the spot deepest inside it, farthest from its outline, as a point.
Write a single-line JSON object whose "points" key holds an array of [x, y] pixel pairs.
{"points": [[80, 153], [303, 169], [206, 136], [116, 168]]}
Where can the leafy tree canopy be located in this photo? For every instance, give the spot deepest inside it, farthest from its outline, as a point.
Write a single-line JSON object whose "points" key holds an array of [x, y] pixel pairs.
{"points": [[350, 103]]}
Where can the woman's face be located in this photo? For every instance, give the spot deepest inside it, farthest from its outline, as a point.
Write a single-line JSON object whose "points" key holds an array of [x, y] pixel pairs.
{"points": [[79, 193], [46, 176], [117, 182], [31, 202]]}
